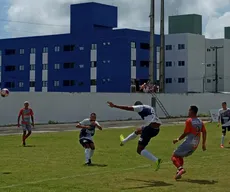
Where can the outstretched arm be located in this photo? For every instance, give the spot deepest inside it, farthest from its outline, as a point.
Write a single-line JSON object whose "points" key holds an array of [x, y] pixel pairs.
{"points": [[127, 108]]}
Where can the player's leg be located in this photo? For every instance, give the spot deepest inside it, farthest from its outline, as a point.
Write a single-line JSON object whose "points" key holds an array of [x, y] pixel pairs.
{"points": [[24, 135], [222, 137], [29, 131], [85, 143], [130, 137], [92, 149], [146, 135]]}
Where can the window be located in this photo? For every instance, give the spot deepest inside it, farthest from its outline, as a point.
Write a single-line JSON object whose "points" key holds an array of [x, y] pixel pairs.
{"points": [[56, 48], [10, 52], [56, 83], [32, 83], [9, 84], [208, 80], [21, 67], [44, 84], [181, 63], [45, 66], [181, 80], [80, 83], [133, 45], [68, 65], [81, 48], [69, 47], [45, 49], [81, 66], [144, 46], [168, 47], [21, 51], [67, 83], [209, 65], [0, 52], [32, 67], [93, 64], [144, 63], [168, 63], [181, 46], [56, 66], [93, 82], [10, 68], [94, 46], [168, 80], [133, 63], [21, 84], [32, 50], [208, 50]]}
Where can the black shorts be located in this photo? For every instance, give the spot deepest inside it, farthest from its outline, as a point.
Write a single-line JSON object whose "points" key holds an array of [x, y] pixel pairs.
{"points": [[147, 133], [85, 141], [224, 129]]}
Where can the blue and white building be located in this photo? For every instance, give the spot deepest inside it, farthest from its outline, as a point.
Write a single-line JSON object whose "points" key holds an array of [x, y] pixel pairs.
{"points": [[93, 57]]}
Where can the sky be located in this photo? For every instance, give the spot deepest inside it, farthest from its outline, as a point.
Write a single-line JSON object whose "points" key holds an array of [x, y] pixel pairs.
{"points": [[19, 18]]}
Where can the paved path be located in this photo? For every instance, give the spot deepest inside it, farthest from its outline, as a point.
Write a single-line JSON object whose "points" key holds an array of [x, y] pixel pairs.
{"points": [[71, 127]]}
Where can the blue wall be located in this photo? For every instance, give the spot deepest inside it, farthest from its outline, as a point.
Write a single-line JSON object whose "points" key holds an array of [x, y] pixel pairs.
{"points": [[113, 53]]}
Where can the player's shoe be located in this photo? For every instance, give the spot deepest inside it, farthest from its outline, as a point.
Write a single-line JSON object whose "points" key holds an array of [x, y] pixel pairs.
{"points": [[179, 174], [222, 146], [159, 161], [121, 139], [23, 143], [88, 163]]}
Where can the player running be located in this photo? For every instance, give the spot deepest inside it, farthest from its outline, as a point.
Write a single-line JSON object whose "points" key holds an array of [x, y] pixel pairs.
{"points": [[193, 128], [26, 113], [87, 132], [151, 129], [223, 118]]}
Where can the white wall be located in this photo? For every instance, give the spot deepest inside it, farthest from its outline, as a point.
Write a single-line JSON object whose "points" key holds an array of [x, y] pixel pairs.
{"points": [[67, 107], [196, 56]]}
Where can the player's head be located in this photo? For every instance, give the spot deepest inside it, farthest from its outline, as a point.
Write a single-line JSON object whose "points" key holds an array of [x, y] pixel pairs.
{"points": [[93, 117], [138, 103], [26, 104], [224, 105], [193, 110]]}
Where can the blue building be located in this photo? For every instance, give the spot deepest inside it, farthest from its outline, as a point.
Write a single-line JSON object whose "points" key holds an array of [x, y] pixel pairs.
{"points": [[93, 57]]}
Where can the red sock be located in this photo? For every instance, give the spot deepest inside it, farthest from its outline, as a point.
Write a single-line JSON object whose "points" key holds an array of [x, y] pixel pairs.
{"points": [[177, 161]]}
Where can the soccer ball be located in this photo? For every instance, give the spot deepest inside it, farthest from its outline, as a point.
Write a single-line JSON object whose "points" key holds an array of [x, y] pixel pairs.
{"points": [[5, 92]]}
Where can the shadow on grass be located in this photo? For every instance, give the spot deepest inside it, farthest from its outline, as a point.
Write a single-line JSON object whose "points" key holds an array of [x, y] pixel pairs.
{"points": [[96, 165], [6, 173], [29, 146], [148, 184], [197, 181]]}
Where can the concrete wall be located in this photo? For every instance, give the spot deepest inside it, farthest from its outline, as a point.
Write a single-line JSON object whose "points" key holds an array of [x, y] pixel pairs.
{"points": [[67, 107]]}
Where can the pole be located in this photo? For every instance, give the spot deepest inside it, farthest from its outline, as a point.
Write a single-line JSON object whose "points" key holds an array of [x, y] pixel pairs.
{"points": [[216, 48], [152, 44], [162, 50]]}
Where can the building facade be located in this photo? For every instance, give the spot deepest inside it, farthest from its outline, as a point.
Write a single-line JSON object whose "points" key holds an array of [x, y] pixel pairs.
{"points": [[93, 57]]}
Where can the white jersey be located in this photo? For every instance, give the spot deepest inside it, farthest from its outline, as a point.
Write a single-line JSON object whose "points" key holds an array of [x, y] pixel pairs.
{"points": [[87, 133], [224, 116], [147, 113]]}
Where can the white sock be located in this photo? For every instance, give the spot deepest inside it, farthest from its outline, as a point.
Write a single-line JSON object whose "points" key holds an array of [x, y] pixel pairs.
{"points": [[91, 153], [148, 155], [87, 155], [130, 137], [222, 140]]}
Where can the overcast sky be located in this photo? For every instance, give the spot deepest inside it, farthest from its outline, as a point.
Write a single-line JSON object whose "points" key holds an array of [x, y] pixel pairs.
{"points": [[132, 14]]}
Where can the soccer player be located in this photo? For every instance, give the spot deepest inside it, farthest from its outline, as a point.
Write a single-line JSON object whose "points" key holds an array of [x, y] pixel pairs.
{"points": [[193, 128], [26, 113], [87, 132], [223, 118], [150, 130]]}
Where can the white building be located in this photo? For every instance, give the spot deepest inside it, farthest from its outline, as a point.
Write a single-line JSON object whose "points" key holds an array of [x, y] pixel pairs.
{"points": [[190, 63]]}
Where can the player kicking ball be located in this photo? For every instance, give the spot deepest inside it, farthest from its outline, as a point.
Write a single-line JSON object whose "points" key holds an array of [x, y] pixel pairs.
{"points": [[87, 132], [193, 129], [147, 132]]}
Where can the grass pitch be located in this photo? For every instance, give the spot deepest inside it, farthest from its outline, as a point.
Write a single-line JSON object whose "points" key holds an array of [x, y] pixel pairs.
{"points": [[54, 163]]}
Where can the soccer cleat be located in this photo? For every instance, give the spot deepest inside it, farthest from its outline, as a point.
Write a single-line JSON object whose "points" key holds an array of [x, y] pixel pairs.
{"points": [[88, 163], [222, 146], [121, 139], [159, 161], [179, 174], [24, 143]]}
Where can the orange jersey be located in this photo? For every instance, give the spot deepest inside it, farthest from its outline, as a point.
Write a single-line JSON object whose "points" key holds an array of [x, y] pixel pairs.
{"points": [[26, 115]]}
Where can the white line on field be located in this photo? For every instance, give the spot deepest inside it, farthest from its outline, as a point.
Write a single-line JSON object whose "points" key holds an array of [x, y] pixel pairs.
{"points": [[73, 176]]}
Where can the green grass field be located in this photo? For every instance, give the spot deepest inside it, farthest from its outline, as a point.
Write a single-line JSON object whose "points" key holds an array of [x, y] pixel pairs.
{"points": [[54, 163]]}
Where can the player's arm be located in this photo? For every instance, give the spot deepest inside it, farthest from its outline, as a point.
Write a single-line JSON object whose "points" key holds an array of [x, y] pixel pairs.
{"points": [[19, 117], [127, 108], [183, 135], [83, 125], [98, 125], [32, 116], [219, 118]]}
